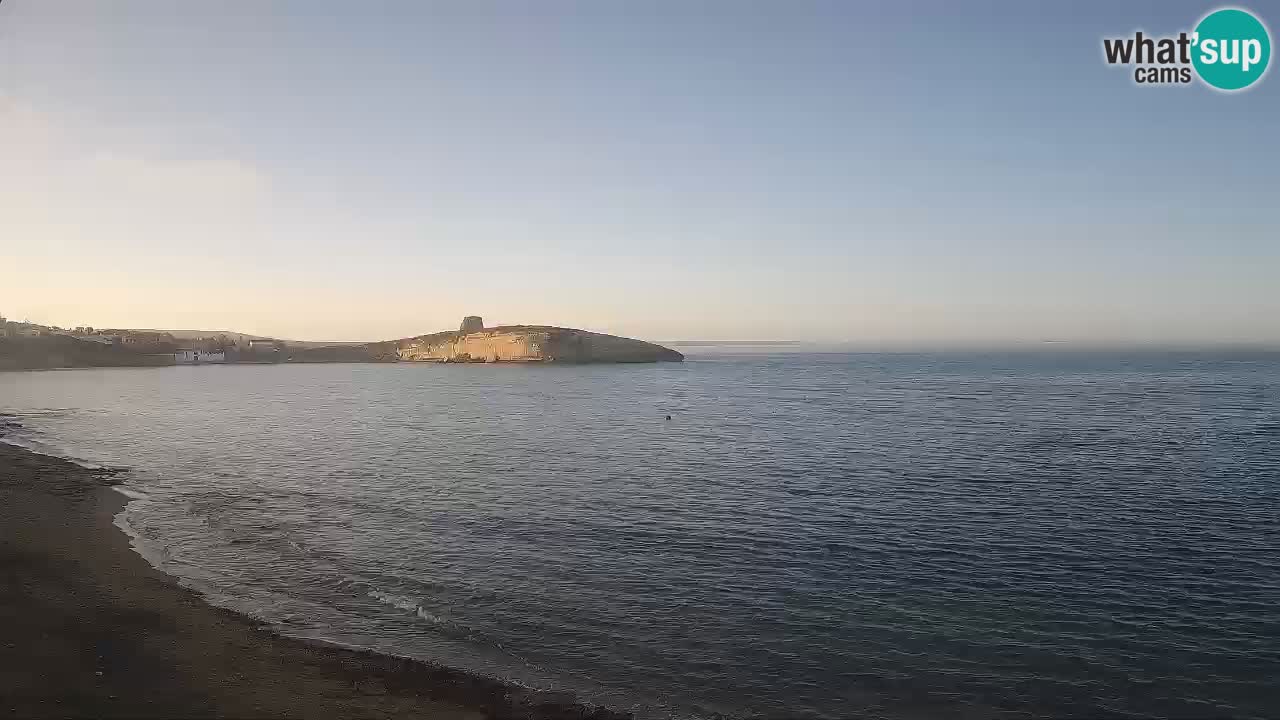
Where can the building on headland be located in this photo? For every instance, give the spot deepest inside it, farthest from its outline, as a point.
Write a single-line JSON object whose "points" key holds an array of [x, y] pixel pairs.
{"points": [[471, 324], [14, 328], [528, 343], [195, 356]]}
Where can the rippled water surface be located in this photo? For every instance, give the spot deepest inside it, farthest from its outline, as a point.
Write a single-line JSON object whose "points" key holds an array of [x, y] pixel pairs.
{"points": [[829, 535]]}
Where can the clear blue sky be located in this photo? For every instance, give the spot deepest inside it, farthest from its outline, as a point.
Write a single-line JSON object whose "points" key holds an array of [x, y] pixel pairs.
{"points": [[927, 172]]}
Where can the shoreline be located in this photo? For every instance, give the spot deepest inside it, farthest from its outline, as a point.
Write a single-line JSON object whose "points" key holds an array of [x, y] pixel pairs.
{"points": [[97, 631]]}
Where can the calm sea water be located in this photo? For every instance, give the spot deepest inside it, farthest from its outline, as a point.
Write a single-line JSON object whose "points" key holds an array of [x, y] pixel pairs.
{"points": [[828, 535]]}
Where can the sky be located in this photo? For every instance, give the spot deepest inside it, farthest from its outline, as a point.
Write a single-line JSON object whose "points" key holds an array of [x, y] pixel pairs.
{"points": [[892, 173]]}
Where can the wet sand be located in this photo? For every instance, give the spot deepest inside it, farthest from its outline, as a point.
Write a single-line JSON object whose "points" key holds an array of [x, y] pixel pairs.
{"points": [[91, 629]]}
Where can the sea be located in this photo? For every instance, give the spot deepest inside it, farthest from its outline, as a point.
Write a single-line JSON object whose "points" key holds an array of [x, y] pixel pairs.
{"points": [[745, 534]]}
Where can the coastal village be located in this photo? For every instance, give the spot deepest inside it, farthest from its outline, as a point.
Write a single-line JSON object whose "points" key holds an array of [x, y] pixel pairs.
{"points": [[147, 347]]}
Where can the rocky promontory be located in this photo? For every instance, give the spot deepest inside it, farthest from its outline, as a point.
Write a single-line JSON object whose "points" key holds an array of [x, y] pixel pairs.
{"points": [[473, 342]]}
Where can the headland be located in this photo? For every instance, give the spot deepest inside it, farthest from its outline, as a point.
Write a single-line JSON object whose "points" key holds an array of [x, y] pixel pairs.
{"points": [[473, 342]]}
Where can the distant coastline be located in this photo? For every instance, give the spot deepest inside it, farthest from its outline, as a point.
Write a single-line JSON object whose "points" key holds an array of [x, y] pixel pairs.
{"points": [[734, 343], [29, 346], [26, 346]]}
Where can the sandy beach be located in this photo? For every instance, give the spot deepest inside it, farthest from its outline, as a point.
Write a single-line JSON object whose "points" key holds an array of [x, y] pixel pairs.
{"points": [[91, 629]]}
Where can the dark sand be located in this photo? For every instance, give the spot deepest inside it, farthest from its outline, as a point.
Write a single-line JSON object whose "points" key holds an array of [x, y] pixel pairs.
{"points": [[88, 628]]}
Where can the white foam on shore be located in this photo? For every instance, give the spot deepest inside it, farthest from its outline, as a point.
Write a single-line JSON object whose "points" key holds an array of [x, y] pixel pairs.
{"points": [[22, 437], [130, 493], [410, 605]]}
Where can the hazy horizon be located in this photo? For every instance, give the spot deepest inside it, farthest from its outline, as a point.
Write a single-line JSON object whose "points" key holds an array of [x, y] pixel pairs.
{"points": [[821, 172]]}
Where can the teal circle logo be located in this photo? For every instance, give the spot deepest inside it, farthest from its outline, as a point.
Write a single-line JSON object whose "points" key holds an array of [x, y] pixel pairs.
{"points": [[1231, 49]]}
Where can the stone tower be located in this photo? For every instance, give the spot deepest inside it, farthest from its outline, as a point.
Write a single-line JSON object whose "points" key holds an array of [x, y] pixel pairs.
{"points": [[471, 324]]}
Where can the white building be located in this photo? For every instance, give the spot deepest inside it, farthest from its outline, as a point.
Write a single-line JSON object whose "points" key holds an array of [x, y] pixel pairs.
{"points": [[188, 356]]}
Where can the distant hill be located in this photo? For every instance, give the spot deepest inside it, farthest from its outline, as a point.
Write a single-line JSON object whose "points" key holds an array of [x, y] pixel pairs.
{"points": [[242, 339], [56, 351], [237, 338], [345, 352]]}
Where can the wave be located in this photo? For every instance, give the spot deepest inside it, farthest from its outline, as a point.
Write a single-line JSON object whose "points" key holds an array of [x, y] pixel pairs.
{"points": [[14, 431], [410, 605]]}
